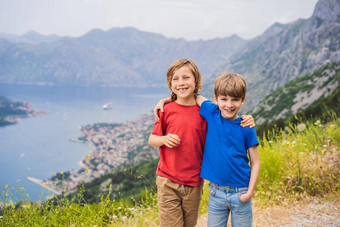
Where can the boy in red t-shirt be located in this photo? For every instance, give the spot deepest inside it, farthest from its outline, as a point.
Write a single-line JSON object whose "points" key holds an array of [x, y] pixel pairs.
{"points": [[180, 135], [182, 131]]}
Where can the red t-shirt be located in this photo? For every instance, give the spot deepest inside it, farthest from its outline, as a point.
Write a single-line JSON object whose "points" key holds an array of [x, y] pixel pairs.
{"points": [[181, 164]]}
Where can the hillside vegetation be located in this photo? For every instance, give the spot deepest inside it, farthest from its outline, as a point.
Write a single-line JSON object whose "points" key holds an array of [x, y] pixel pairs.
{"points": [[307, 96], [121, 184], [300, 162]]}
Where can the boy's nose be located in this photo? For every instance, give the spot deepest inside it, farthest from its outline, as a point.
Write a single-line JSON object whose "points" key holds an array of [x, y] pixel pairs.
{"points": [[228, 104]]}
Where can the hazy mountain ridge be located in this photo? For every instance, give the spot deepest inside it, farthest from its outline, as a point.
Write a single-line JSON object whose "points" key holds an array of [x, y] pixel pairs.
{"points": [[286, 51], [298, 94], [117, 57], [30, 37], [129, 57]]}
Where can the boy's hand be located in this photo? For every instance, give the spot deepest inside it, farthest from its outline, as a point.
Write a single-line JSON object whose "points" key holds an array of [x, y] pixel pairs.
{"points": [[171, 140], [159, 106], [245, 197], [247, 120]]}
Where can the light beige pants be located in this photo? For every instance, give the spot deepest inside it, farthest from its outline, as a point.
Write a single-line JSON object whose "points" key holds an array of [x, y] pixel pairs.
{"points": [[178, 204]]}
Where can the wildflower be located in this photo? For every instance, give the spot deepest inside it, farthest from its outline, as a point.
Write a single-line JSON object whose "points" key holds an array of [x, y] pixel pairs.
{"points": [[1, 216], [62, 172], [270, 141], [294, 142], [301, 127], [324, 145], [114, 216]]}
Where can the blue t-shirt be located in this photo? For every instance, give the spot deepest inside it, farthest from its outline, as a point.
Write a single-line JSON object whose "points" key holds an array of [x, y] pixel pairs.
{"points": [[225, 159]]}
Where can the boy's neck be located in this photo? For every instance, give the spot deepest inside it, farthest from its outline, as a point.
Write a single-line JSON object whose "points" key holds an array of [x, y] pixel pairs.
{"points": [[233, 118], [186, 102]]}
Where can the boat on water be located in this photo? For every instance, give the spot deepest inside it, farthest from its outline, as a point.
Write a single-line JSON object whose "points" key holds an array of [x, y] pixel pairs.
{"points": [[107, 106]]}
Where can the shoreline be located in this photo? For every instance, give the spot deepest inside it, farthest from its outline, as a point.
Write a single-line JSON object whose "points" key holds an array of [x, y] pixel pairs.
{"points": [[42, 184]]}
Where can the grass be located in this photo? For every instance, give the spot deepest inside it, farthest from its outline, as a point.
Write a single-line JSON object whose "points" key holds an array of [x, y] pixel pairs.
{"points": [[301, 161], [296, 163]]}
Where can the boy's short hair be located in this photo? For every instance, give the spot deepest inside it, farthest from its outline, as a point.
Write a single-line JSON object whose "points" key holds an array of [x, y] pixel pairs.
{"points": [[230, 84], [194, 69]]}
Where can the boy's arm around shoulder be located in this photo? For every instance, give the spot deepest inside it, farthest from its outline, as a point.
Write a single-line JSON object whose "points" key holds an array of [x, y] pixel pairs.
{"points": [[160, 106], [200, 99], [254, 173], [247, 120]]}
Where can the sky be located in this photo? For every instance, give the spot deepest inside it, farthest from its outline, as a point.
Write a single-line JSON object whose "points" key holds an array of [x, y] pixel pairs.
{"points": [[188, 19]]}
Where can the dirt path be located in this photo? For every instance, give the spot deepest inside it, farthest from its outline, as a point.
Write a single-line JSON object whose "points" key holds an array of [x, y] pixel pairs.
{"points": [[312, 212]]}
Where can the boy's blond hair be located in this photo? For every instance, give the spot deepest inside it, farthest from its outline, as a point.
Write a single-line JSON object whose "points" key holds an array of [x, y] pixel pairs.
{"points": [[230, 84], [194, 69]]}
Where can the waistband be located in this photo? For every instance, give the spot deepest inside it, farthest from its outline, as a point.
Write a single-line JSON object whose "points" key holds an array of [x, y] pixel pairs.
{"points": [[227, 188]]}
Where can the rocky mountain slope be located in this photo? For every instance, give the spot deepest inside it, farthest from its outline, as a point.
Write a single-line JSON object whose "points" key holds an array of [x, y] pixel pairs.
{"points": [[286, 51], [298, 94]]}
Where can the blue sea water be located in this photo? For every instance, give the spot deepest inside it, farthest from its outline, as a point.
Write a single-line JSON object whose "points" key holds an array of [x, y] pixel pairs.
{"points": [[40, 146]]}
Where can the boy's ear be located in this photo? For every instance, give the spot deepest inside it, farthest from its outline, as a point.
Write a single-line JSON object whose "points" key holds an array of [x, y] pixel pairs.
{"points": [[215, 99], [244, 99]]}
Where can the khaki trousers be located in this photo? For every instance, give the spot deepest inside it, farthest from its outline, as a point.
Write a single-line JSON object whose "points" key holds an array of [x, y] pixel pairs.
{"points": [[178, 204]]}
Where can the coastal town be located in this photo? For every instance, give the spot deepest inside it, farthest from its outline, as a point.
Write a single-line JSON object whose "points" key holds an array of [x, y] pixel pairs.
{"points": [[115, 146]]}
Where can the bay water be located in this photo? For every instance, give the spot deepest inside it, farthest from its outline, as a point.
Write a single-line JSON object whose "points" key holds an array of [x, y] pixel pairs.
{"points": [[40, 146]]}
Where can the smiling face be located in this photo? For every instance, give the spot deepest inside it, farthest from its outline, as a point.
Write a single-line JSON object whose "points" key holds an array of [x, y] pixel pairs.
{"points": [[230, 94], [229, 106], [183, 85], [183, 66]]}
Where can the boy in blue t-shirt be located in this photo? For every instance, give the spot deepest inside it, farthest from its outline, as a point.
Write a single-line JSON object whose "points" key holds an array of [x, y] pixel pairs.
{"points": [[225, 159]]}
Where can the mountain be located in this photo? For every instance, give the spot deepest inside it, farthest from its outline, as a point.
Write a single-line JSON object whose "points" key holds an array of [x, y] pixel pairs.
{"points": [[299, 94], [117, 57], [129, 57], [31, 37], [285, 51]]}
